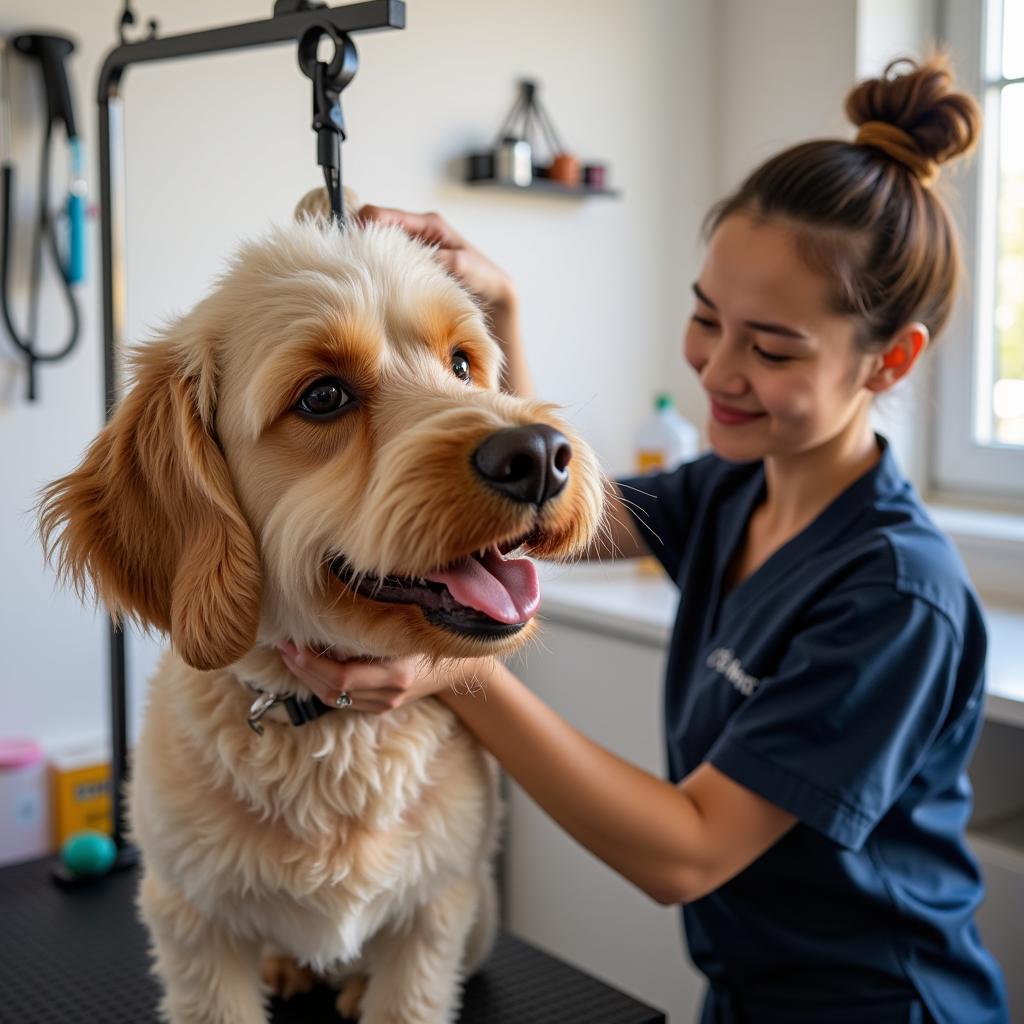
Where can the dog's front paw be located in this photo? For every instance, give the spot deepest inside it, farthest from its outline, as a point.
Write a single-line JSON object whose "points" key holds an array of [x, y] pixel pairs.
{"points": [[350, 998], [285, 976]]}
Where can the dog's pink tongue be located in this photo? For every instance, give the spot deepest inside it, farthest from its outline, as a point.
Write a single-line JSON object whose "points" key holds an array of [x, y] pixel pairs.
{"points": [[506, 590]]}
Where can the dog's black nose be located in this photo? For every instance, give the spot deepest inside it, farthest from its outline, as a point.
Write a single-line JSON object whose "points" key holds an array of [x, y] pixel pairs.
{"points": [[525, 463]]}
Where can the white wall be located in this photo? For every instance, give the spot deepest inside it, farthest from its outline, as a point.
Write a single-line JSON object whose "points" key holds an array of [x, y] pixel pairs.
{"points": [[610, 74], [219, 147], [52, 658], [782, 69], [682, 99], [887, 31]]}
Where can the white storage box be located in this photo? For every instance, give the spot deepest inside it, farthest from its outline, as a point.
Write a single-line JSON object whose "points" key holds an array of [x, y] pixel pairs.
{"points": [[25, 830]]}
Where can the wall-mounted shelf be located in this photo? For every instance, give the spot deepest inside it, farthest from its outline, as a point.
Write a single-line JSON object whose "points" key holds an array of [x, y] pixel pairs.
{"points": [[512, 165], [546, 186]]}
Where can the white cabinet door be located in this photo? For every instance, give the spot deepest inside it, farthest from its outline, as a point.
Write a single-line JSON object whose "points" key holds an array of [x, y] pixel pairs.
{"points": [[559, 896]]}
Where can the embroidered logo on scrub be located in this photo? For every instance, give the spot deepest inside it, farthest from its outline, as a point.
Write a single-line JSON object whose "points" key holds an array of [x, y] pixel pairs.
{"points": [[724, 660]]}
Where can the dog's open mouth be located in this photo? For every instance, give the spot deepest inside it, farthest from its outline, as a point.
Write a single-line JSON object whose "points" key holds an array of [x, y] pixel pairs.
{"points": [[485, 594]]}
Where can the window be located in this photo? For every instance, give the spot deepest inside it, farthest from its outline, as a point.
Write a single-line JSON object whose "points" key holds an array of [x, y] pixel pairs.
{"points": [[980, 415]]}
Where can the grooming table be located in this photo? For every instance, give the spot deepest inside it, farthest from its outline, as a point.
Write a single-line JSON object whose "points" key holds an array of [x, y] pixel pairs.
{"points": [[79, 956]]}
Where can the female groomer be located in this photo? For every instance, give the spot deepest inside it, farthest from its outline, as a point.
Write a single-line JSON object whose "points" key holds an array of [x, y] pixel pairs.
{"points": [[824, 688]]}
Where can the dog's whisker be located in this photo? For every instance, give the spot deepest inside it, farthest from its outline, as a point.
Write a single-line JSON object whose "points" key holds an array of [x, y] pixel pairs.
{"points": [[630, 487], [607, 533], [651, 531], [632, 504], [537, 641], [636, 508]]}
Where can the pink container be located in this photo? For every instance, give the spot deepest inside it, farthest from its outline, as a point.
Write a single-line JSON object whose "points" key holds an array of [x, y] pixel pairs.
{"points": [[24, 801]]}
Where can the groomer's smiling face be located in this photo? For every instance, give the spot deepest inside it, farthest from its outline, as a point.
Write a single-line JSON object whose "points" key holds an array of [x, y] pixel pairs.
{"points": [[781, 370]]}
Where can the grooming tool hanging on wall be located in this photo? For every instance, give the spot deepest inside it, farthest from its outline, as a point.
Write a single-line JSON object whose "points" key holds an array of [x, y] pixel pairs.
{"points": [[50, 51]]}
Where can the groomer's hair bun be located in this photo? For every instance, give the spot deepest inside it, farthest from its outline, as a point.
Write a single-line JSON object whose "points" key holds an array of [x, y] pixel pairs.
{"points": [[914, 115], [864, 215]]}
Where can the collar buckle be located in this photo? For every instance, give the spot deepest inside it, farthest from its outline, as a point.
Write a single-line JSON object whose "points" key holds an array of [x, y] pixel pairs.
{"points": [[260, 706]]}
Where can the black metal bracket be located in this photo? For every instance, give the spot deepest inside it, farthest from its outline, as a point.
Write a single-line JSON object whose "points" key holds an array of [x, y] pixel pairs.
{"points": [[526, 110], [294, 21]]}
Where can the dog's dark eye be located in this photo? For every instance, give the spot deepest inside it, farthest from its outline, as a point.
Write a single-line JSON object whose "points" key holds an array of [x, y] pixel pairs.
{"points": [[324, 398], [460, 365]]}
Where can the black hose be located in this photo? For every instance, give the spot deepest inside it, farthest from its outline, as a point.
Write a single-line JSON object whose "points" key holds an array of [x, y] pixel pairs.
{"points": [[45, 228]]}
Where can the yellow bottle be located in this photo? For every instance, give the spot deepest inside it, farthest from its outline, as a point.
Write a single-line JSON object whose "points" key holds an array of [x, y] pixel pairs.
{"points": [[81, 791]]}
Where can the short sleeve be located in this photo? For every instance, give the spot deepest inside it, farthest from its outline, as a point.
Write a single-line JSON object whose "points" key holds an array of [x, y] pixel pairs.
{"points": [[838, 731]]}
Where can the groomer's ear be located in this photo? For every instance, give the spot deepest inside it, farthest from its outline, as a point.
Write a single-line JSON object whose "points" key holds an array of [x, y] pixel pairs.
{"points": [[150, 520], [896, 361], [315, 205]]}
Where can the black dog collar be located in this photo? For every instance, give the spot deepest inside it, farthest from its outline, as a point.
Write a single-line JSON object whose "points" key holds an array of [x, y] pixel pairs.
{"points": [[300, 709]]}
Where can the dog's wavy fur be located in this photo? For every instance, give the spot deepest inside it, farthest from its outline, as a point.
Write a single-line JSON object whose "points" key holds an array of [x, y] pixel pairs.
{"points": [[209, 509]]}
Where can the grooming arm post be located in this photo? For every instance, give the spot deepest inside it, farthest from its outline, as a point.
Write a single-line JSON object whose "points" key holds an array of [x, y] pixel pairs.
{"points": [[291, 23]]}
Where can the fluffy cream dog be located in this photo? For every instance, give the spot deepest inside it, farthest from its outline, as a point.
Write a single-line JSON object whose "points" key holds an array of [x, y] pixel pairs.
{"points": [[318, 451]]}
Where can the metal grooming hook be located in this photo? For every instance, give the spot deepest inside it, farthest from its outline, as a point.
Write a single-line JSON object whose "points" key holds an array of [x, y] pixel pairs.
{"points": [[329, 79]]}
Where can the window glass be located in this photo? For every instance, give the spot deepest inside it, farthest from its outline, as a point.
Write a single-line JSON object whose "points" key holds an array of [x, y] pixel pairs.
{"points": [[1013, 39], [1008, 321]]}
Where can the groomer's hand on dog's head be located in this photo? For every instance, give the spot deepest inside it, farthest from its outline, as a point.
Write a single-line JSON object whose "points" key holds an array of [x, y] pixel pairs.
{"points": [[319, 452], [488, 283]]}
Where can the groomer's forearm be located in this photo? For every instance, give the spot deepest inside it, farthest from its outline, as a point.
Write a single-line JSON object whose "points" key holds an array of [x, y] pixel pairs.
{"points": [[642, 826], [504, 317]]}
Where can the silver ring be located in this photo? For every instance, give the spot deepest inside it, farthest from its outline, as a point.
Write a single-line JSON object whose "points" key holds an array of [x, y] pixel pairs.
{"points": [[343, 700]]}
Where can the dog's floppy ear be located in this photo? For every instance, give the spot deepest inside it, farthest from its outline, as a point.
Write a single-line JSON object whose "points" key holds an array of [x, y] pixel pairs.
{"points": [[315, 205], [150, 518]]}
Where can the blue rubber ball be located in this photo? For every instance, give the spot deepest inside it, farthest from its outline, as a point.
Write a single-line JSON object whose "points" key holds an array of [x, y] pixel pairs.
{"points": [[88, 853]]}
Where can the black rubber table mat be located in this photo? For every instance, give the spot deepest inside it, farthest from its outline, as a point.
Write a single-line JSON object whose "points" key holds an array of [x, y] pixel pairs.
{"points": [[79, 956]]}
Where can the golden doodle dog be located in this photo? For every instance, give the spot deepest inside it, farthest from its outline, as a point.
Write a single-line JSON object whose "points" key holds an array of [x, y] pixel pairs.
{"points": [[318, 452]]}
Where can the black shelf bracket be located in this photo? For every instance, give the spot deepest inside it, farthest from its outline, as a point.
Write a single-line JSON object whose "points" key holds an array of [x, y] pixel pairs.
{"points": [[544, 186]]}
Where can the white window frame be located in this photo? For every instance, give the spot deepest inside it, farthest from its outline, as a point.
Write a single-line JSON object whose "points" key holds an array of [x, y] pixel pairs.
{"points": [[961, 466]]}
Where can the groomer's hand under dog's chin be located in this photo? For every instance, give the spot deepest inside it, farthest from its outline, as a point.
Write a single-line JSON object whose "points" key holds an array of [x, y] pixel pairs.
{"points": [[379, 686]]}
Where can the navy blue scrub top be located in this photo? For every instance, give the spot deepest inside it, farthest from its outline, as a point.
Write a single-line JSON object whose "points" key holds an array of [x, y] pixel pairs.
{"points": [[842, 681]]}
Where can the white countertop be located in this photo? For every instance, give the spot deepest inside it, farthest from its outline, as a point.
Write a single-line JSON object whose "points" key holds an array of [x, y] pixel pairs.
{"points": [[616, 598], [1005, 690], [610, 597]]}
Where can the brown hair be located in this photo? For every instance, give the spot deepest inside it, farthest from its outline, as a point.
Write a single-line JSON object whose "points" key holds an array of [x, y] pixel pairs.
{"points": [[864, 211]]}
